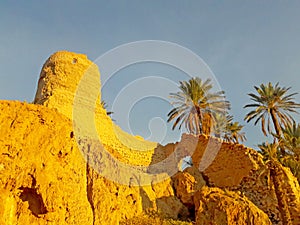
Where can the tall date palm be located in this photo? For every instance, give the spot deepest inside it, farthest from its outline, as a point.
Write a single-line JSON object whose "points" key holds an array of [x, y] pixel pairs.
{"points": [[272, 103], [195, 105]]}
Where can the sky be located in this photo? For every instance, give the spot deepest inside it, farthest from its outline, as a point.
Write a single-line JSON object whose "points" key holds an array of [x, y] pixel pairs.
{"points": [[243, 43]]}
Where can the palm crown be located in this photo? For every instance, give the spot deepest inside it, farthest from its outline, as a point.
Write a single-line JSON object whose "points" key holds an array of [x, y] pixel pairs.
{"points": [[234, 132], [195, 105], [221, 124], [272, 103], [291, 139]]}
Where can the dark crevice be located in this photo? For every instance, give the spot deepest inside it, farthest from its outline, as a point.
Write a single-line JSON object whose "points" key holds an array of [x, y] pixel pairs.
{"points": [[33, 184], [89, 190], [35, 201], [192, 214], [206, 179]]}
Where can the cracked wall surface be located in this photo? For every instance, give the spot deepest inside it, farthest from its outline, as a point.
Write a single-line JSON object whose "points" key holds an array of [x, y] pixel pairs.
{"points": [[43, 176]]}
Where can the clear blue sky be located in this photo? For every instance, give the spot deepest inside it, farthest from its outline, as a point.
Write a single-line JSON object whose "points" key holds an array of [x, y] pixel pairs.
{"points": [[245, 43]]}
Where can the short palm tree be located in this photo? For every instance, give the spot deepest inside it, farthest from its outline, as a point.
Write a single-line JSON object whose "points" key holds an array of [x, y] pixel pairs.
{"points": [[291, 139], [194, 104], [225, 128], [270, 151], [234, 133], [294, 164], [221, 124], [272, 103]]}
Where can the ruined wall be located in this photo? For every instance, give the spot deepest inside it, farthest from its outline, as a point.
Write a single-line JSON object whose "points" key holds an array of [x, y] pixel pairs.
{"points": [[47, 179], [237, 168], [68, 82]]}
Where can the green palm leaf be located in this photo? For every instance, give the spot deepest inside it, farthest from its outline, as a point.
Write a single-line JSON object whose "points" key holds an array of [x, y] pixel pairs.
{"points": [[273, 106], [195, 99]]}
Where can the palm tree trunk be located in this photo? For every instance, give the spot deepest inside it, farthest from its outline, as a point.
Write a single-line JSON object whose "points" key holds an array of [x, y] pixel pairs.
{"points": [[206, 124], [275, 122], [198, 131], [277, 128], [275, 172], [199, 113]]}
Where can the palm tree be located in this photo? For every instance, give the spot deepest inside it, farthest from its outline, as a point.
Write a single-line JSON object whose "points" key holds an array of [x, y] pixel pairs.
{"points": [[234, 133], [272, 103], [291, 139], [195, 105], [221, 123], [292, 163], [270, 151], [276, 173], [225, 128]]}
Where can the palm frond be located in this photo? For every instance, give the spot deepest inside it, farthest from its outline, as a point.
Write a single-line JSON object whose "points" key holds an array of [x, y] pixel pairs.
{"points": [[271, 98], [192, 101]]}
